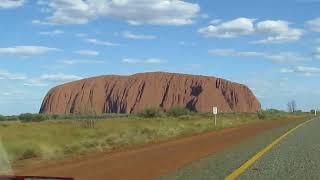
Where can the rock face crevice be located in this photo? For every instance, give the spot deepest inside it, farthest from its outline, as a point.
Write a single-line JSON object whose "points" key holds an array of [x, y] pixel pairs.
{"points": [[129, 94]]}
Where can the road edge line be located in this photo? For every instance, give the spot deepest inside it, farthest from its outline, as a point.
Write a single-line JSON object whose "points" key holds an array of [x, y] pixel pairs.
{"points": [[258, 155]]}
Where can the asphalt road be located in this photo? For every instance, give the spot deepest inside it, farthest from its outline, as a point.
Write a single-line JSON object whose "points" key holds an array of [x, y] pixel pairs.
{"points": [[296, 157]]}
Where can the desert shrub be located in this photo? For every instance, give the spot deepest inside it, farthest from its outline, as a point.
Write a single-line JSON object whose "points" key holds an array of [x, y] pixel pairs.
{"points": [[151, 112], [54, 116], [185, 117], [275, 111], [90, 143], [3, 124], [262, 114], [12, 118], [178, 111], [28, 117], [72, 148], [148, 132], [2, 118], [30, 152]]}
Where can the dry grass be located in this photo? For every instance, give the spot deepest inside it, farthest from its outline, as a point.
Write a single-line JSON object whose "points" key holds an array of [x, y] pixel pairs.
{"points": [[56, 139]]}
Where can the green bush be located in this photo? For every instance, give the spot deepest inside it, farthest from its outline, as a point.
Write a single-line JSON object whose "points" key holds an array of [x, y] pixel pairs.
{"points": [[2, 118], [274, 111], [72, 148], [151, 112], [12, 118], [54, 116], [28, 153], [262, 114], [178, 111], [28, 117]]}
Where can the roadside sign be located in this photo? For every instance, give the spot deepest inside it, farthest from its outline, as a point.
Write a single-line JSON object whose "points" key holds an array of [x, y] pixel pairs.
{"points": [[215, 110]]}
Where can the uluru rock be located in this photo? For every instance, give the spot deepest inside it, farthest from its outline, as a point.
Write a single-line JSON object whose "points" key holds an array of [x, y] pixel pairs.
{"points": [[128, 94]]}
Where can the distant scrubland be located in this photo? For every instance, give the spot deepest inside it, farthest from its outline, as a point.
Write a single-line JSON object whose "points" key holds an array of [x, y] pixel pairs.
{"points": [[49, 137]]}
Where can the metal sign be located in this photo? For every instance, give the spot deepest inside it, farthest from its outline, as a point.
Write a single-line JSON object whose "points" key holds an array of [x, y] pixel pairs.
{"points": [[215, 110]]}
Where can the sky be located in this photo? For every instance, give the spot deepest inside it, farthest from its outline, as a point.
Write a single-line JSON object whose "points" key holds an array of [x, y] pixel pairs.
{"points": [[271, 46]]}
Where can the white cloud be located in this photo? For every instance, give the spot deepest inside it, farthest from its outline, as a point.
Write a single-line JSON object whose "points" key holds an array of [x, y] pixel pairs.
{"points": [[81, 35], [52, 33], [100, 42], [183, 43], [143, 61], [69, 62], [215, 21], [131, 61], [284, 57], [130, 35], [161, 12], [10, 76], [204, 16], [35, 83], [153, 61], [232, 52], [12, 93], [281, 57], [60, 77], [277, 31], [316, 53], [11, 3], [74, 62], [27, 50], [314, 24], [230, 29], [87, 52], [286, 70], [39, 22], [304, 70], [45, 79]]}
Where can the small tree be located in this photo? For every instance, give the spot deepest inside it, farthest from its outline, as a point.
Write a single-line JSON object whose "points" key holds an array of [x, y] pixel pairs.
{"points": [[2, 118], [178, 111], [151, 112], [292, 106], [28, 117], [262, 114]]}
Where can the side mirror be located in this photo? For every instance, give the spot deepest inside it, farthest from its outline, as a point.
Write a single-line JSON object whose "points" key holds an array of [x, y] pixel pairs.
{"points": [[33, 178]]}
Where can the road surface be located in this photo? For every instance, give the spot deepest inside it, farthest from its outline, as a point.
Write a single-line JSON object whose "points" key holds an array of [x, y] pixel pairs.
{"points": [[160, 159], [296, 156]]}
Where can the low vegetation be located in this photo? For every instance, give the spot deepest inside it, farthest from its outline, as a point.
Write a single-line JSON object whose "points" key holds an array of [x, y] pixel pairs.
{"points": [[151, 112], [2, 118], [178, 111], [55, 137]]}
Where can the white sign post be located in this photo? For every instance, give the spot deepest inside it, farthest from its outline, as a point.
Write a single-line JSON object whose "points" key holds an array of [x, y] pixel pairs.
{"points": [[215, 112]]}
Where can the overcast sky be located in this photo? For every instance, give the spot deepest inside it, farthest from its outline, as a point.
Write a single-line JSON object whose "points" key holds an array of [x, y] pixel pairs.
{"points": [[270, 45]]}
